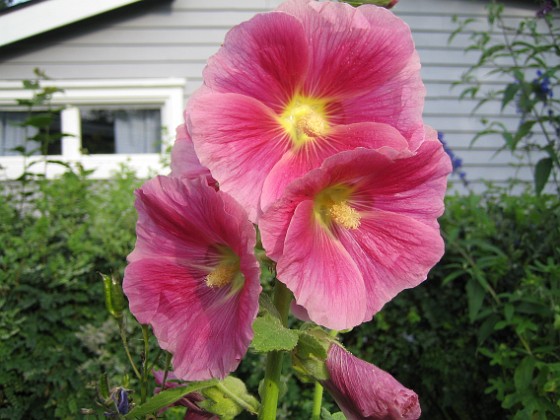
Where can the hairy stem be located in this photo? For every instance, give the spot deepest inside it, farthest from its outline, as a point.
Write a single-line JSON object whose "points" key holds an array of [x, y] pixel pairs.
{"points": [[274, 359]]}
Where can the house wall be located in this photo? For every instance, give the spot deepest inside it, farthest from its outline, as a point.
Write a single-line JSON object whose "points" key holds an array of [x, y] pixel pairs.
{"points": [[175, 38]]}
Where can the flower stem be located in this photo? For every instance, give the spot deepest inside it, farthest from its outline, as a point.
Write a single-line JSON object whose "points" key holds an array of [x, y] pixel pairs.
{"points": [[144, 380], [126, 349], [274, 359], [317, 401]]}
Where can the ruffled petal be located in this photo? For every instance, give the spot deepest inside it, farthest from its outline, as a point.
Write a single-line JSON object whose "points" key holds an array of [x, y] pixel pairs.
{"points": [[363, 391], [394, 252], [265, 58], [353, 50], [239, 140], [318, 270], [184, 161], [296, 163]]}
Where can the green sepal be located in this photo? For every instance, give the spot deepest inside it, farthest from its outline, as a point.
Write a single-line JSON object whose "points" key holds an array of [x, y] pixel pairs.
{"points": [[308, 359], [114, 297], [228, 399], [326, 415]]}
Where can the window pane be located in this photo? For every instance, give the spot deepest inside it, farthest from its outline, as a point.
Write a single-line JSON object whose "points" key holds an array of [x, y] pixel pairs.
{"points": [[121, 130], [15, 138]]}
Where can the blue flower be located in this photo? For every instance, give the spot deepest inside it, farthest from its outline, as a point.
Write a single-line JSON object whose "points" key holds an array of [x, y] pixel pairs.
{"points": [[456, 162]]}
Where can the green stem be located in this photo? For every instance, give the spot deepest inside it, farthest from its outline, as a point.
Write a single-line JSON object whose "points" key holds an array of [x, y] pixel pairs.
{"points": [[126, 349], [166, 370], [317, 401], [144, 380], [273, 371]]}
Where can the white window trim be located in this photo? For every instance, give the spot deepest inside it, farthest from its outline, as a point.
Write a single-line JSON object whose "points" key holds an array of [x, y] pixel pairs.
{"points": [[166, 94]]}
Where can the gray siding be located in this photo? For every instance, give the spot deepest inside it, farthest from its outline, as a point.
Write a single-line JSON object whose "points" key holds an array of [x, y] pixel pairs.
{"points": [[175, 38]]}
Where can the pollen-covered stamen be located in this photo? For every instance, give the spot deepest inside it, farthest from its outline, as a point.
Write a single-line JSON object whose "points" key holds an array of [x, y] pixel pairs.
{"points": [[223, 274], [344, 215], [304, 119], [309, 123]]}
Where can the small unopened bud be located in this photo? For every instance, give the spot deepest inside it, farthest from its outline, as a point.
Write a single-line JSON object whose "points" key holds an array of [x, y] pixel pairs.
{"points": [[114, 297]]}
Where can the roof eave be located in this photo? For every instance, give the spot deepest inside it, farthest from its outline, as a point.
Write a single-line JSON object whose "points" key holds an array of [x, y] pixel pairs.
{"points": [[49, 15]]}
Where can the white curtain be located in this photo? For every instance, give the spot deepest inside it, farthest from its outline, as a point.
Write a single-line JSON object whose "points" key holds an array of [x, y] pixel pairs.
{"points": [[137, 131], [12, 135]]}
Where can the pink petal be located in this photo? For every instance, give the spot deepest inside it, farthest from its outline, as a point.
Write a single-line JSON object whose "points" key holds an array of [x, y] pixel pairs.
{"points": [[296, 163], [363, 391], [238, 138], [182, 223], [265, 58], [394, 252], [353, 50], [321, 274], [184, 161]]}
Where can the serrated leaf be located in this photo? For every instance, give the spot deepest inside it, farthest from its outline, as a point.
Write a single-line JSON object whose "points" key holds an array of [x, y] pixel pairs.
{"points": [[271, 335], [167, 397], [542, 173]]}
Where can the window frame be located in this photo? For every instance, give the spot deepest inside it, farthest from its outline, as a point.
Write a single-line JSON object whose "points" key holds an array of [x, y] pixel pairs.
{"points": [[165, 94]]}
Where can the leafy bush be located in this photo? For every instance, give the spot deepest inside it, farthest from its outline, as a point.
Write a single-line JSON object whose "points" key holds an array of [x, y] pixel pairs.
{"points": [[51, 295]]}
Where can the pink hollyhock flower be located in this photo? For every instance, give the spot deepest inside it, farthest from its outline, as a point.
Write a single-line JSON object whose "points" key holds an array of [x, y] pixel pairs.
{"points": [[184, 161], [363, 391], [193, 276], [350, 235], [291, 87]]}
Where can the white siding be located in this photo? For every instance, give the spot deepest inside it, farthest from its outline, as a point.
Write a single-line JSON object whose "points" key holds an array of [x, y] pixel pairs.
{"points": [[175, 38]]}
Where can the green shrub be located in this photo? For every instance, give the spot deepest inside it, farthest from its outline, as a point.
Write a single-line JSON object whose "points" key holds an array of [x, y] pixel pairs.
{"points": [[51, 295]]}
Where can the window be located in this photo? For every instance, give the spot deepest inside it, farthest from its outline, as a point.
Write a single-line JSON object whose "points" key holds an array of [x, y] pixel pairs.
{"points": [[123, 130], [15, 138], [103, 123]]}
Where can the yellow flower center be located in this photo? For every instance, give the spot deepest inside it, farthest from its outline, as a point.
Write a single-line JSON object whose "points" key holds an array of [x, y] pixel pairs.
{"points": [[332, 206], [345, 215], [223, 274], [304, 119]]}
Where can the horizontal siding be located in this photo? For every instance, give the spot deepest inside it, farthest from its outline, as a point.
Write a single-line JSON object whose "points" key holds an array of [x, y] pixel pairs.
{"points": [[175, 38]]}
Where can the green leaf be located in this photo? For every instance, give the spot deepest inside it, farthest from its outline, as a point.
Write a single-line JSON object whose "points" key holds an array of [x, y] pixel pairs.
{"points": [[523, 130], [167, 397], [524, 373], [271, 335], [542, 173], [475, 296], [509, 93]]}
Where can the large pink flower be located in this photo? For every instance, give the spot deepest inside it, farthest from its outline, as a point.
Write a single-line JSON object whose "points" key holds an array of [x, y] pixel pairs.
{"points": [[350, 235], [363, 391], [291, 87], [193, 276]]}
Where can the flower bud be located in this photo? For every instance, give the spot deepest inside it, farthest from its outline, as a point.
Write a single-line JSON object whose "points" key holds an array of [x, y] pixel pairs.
{"points": [[114, 297], [363, 391]]}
